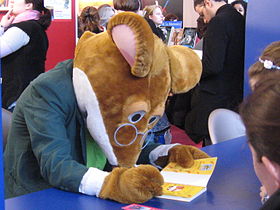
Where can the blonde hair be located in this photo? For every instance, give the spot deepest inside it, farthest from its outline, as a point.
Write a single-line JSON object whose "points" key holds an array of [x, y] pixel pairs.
{"points": [[150, 10]]}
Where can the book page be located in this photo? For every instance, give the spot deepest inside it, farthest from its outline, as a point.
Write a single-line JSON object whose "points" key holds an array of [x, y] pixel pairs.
{"points": [[186, 191], [198, 175]]}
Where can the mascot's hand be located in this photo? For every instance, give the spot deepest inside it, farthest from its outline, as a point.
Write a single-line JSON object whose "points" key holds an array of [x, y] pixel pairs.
{"points": [[132, 185], [184, 155]]}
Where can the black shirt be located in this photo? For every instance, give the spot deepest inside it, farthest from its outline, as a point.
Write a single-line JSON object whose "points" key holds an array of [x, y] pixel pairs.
{"points": [[22, 66], [156, 30]]}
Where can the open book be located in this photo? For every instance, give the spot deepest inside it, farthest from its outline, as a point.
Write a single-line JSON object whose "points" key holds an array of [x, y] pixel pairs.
{"points": [[185, 184]]}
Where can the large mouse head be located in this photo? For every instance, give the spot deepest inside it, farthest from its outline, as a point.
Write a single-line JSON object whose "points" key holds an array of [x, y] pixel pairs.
{"points": [[122, 78]]}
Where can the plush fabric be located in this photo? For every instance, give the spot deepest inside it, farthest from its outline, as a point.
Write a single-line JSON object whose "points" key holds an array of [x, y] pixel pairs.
{"points": [[122, 78]]}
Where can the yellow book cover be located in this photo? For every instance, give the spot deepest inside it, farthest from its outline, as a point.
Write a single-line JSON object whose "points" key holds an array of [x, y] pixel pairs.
{"points": [[200, 166], [187, 183]]}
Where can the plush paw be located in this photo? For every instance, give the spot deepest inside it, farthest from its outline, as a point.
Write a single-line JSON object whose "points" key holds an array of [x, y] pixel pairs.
{"points": [[132, 185], [185, 155]]}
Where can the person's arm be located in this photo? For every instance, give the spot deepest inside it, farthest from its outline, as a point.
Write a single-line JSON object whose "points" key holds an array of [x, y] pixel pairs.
{"points": [[215, 47], [46, 114], [12, 40]]}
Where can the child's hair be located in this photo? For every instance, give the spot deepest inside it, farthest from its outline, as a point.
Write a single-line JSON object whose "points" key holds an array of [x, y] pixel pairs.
{"points": [[127, 5], [88, 20], [241, 2], [105, 12], [45, 17], [269, 58], [149, 10], [171, 17], [260, 113]]}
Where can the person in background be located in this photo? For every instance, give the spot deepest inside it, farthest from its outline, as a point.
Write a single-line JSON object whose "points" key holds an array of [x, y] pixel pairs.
{"points": [[240, 6], [127, 5], [161, 132], [154, 16], [201, 30], [24, 44], [89, 21], [171, 17], [221, 83], [105, 12], [260, 114]]}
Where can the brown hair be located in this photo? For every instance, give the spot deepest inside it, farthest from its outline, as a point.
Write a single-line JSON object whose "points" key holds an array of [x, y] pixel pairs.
{"points": [[271, 53], [127, 5], [89, 20], [260, 113], [45, 17], [150, 10], [198, 2], [171, 17]]}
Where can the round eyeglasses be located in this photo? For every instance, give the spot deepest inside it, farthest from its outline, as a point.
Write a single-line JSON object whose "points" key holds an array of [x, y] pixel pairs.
{"points": [[129, 134]]}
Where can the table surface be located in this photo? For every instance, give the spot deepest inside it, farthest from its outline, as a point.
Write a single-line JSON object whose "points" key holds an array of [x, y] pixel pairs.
{"points": [[233, 185]]}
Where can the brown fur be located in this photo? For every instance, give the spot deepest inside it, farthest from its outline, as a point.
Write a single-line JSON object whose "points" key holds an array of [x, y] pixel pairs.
{"points": [[122, 90], [133, 185]]}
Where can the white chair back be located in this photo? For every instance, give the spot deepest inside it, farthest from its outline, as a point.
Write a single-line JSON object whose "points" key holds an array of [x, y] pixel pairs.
{"points": [[224, 124]]}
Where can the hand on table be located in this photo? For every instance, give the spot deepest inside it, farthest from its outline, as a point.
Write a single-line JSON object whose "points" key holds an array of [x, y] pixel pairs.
{"points": [[132, 185]]}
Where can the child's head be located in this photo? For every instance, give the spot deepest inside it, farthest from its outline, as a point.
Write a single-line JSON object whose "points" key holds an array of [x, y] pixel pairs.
{"points": [[261, 116], [154, 12], [240, 6], [269, 62]]}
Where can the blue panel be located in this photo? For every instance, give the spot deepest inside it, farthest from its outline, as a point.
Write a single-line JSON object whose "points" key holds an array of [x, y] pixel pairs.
{"points": [[262, 28], [175, 24]]}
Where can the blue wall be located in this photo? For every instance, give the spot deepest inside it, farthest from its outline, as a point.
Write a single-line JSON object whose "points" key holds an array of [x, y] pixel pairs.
{"points": [[262, 28]]}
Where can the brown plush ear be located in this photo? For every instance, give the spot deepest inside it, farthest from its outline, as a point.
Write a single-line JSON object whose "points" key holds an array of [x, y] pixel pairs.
{"points": [[86, 35], [186, 68], [134, 38]]}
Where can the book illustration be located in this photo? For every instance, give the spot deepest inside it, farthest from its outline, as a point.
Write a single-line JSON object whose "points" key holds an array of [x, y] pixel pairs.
{"points": [[186, 191], [176, 35], [185, 184], [200, 166], [189, 37]]}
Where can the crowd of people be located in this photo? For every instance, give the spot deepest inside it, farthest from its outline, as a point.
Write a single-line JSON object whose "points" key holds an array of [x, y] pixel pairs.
{"points": [[221, 27]]}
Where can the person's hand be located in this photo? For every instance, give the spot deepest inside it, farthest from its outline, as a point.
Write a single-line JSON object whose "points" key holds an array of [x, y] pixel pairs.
{"points": [[183, 155], [132, 185], [263, 194], [7, 19]]}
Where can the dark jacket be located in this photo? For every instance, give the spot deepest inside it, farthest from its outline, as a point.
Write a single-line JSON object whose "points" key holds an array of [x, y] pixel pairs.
{"points": [[221, 84], [46, 146], [156, 30], [22, 66], [273, 203]]}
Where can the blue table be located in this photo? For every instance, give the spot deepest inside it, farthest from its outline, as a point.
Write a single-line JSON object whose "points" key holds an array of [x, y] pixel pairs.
{"points": [[233, 185]]}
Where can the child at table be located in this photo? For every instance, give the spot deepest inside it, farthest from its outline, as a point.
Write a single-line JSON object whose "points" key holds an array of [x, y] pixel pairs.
{"points": [[267, 63], [260, 114]]}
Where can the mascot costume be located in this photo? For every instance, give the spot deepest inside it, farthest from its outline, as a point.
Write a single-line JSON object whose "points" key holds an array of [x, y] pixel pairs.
{"points": [[121, 79]]}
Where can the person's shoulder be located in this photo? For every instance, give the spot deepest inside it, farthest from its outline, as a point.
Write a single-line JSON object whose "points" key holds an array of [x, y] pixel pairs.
{"points": [[226, 15], [28, 26], [60, 75]]}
